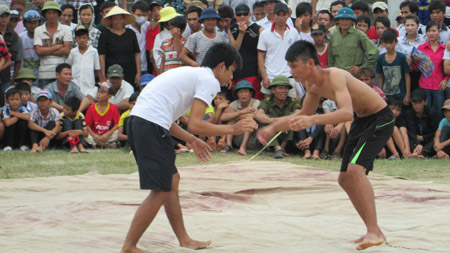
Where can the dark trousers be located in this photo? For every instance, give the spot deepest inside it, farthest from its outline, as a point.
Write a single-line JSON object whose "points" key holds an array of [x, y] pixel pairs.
{"points": [[427, 150], [16, 135], [72, 125], [37, 136], [445, 135], [315, 144]]}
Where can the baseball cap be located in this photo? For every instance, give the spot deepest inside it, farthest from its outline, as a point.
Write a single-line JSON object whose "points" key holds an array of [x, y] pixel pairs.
{"points": [[145, 79], [241, 9], [43, 93], [106, 86], [446, 105], [4, 9], [380, 5], [14, 14], [281, 7], [80, 30], [419, 95], [317, 29], [115, 71]]}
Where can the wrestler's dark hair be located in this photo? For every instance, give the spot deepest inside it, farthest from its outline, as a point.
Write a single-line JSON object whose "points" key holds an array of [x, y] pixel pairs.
{"points": [[222, 52], [302, 50]]}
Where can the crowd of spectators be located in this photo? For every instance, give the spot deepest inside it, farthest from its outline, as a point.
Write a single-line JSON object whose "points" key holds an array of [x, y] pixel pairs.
{"points": [[70, 72]]}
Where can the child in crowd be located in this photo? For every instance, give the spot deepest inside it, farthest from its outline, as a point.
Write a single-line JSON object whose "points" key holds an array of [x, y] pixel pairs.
{"points": [[258, 11], [171, 47], [442, 136], [31, 20], [15, 118], [84, 60], [381, 24], [393, 69], [363, 23], [421, 122], [221, 102], [102, 119], [398, 138], [25, 96], [44, 123], [304, 20], [122, 136], [86, 18], [73, 126], [145, 79], [318, 34], [367, 76], [26, 75]]}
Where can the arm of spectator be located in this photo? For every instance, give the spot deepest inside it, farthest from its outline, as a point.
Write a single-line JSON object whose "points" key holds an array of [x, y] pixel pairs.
{"points": [[21, 115], [125, 7], [447, 66], [380, 80], [262, 117], [45, 51], [101, 76], [10, 120], [372, 52], [121, 136], [85, 103], [4, 63], [57, 106], [437, 142], [262, 69], [64, 51], [102, 66], [137, 79], [123, 105], [230, 114], [237, 43], [95, 136], [184, 57], [407, 98], [36, 127], [218, 117], [314, 11], [163, 63], [105, 137]]}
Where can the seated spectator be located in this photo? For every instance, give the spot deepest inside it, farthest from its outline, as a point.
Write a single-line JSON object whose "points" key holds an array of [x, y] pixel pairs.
{"points": [[44, 123], [336, 134], [73, 126], [26, 75], [397, 142], [221, 102], [85, 63], [26, 96], [421, 122], [31, 21], [244, 107], [121, 90], [442, 136], [86, 17], [122, 136], [52, 50], [145, 79], [68, 14], [102, 119], [64, 87], [367, 76], [171, 47], [275, 106], [318, 35], [15, 118]]}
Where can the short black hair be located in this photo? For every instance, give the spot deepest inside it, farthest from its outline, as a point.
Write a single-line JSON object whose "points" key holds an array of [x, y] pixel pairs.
{"points": [[192, 9], [69, 6], [395, 102], [413, 7], [81, 32], [303, 50], [73, 103], [133, 97], [389, 36], [302, 8], [413, 17], [363, 18], [12, 92], [225, 11], [337, 3], [62, 66], [431, 24], [224, 91], [179, 22], [257, 5], [86, 6], [326, 12], [21, 86], [106, 5], [362, 6], [140, 5], [436, 5], [222, 52], [384, 20]]}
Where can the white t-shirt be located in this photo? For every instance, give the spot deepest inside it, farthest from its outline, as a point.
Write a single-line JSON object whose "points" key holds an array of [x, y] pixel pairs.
{"points": [[163, 35], [307, 37], [83, 69], [275, 48], [171, 94], [141, 38], [125, 91], [266, 24], [30, 57]]}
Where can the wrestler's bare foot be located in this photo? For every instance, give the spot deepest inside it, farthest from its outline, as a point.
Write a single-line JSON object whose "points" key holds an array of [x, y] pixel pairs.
{"points": [[132, 250], [193, 244], [242, 151], [357, 240], [370, 240]]}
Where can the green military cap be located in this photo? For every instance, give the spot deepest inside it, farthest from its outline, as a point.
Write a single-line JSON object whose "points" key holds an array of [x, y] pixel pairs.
{"points": [[280, 80]]}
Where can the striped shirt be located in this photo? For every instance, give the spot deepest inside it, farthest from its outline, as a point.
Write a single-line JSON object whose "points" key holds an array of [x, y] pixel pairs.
{"points": [[170, 54], [4, 50], [38, 118]]}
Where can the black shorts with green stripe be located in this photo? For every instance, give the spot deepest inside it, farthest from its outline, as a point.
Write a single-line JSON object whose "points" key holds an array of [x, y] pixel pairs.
{"points": [[367, 136]]}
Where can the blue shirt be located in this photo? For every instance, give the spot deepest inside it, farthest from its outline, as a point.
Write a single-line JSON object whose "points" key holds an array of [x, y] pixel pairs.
{"points": [[444, 122], [393, 74], [5, 112]]}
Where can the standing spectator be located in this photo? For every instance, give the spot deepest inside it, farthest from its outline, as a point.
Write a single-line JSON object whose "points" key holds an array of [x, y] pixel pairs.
{"points": [[436, 83], [19, 5], [86, 18], [171, 48], [37, 6], [381, 24], [68, 14], [269, 19], [78, 3], [5, 62], [325, 18], [304, 21], [336, 6], [226, 14], [408, 8], [349, 46], [152, 32], [140, 26], [318, 34], [119, 45], [360, 8], [272, 46], [437, 14], [442, 136], [52, 43], [13, 44], [244, 37], [104, 9], [31, 20], [379, 9], [200, 42], [192, 18], [363, 23], [258, 11], [424, 13]]}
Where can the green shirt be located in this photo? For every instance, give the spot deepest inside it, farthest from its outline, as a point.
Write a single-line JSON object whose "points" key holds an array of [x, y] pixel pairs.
{"points": [[272, 110], [351, 49]]}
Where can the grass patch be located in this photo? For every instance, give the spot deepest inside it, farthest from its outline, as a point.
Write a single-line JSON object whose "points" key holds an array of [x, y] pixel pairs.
{"points": [[19, 164]]}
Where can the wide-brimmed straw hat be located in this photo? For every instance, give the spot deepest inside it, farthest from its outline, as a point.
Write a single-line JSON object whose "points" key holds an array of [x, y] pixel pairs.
{"points": [[116, 10]]}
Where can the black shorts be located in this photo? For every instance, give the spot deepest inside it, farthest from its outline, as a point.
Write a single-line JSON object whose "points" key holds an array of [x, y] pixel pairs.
{"points": [[154, 153], [367, 137]]}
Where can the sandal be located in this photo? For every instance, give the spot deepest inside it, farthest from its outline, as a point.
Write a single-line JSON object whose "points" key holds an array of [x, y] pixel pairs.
{"points": [[278, 154], [226, 149]]}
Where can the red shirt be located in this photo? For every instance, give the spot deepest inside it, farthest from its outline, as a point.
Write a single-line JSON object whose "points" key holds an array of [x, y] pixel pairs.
{"points": [[372, 34], [380, 92], [323, 58], [101, 123], [150, 37]]}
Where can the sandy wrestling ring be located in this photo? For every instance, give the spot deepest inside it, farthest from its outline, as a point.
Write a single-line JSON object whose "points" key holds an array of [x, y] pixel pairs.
{"points": [[241, 206]]}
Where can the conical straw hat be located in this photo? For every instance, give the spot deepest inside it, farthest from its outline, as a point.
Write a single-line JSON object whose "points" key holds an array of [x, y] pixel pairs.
{"points": [[116, 10]]}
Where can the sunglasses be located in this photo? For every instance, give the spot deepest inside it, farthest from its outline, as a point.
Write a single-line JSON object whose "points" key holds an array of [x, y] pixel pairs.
{"points": [[242, 14]]}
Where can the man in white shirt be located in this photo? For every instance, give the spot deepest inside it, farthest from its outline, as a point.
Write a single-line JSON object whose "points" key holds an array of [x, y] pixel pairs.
{"points": [[269, 6], [151, 123]]}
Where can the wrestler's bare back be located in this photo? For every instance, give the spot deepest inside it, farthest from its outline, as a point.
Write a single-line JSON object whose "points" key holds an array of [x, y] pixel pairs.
{"points": [[365, 101]]}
